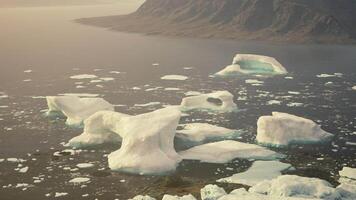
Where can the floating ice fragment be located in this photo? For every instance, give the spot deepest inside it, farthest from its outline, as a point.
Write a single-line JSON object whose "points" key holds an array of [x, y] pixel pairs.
{"points": [[354, 87], [259, 171], [83, 76], [79, 180], [76, 109], [252, 64], [199, 132], [85, 165], [27, 71], [225, 151], [283, 128], [140, 197], [60, 194], [174, 77], [23, 170], [217, 101], [274, 102], [329, 75], [212, 192], [253, 81]]}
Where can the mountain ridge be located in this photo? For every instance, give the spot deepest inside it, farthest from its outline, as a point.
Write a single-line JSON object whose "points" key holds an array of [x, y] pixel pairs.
{"points": [[321, 21]]}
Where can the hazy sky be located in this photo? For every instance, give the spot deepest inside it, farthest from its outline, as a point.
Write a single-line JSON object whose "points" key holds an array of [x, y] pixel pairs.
{"points": [[21, 3]]}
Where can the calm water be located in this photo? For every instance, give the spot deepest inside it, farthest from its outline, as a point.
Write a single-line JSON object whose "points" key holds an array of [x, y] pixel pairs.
{"points": [[46, 41]]}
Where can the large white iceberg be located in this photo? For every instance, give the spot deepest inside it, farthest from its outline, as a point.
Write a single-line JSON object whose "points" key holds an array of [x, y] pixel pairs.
{"points": [[259, 171], [227, 150], [282, 129], [221, 101], [100, 128], [252, 64], [147, 139], [296, 186], [147, 143], [200, 132], [76, 109]]}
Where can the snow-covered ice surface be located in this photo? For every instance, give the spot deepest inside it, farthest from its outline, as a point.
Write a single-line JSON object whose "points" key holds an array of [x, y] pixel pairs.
{"points": [[252, 64], [200, 132], [221, 101], [282, 129], [259, 171], [227, 150], [76, 109]]}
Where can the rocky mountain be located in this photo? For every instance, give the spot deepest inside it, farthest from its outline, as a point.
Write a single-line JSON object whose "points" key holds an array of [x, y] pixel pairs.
{"points": [[329, 21]]}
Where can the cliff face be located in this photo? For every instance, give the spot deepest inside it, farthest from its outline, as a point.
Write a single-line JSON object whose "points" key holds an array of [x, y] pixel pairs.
{"points": [[282, 20]]}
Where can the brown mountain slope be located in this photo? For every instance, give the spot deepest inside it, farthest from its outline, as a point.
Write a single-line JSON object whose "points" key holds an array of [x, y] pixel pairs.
{"points": [[330, 21]]}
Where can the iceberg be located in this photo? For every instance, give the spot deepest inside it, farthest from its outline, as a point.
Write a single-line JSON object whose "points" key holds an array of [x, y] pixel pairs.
{"points": [[212, 192], [186, 197], [200, 132], [141, 197], [147, 139], [296, 186], [227, 150], [252, 64], [76, 109], [281, 129], [259, 171], [221, 101], [347, 188]]}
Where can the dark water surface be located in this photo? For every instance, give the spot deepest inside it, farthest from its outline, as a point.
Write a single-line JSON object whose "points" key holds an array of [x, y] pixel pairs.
{"points": [[46, 41]]}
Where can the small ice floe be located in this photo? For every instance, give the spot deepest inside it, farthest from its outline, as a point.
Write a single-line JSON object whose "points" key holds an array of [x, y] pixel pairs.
{"points": [[288, 77], [76, 109], [148, 104], [107, 79], [141, 197], [185, 197], [15, 160], [192, 93], [200, 132], [136, 88], [329, 75], [27, 80], [296, 186], [174, 77], [85, 165], [172, 89], [23, 170], [254, 82], [79, 180], [84, 76], [293, 92], [221, 101], [354, 87], [96, 81], [155, 64], [281, 129], [294, 104], [60, 194], [274, 102], [187, 68], [27, 71], [227, 150], [115, 72], [252, 64], [3, 95], [259, 171], [153, 89], [145, 149], [212, 192]]}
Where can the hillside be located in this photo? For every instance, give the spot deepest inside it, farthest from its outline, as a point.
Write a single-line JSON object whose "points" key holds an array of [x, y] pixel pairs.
{"points": [[324, 21]]}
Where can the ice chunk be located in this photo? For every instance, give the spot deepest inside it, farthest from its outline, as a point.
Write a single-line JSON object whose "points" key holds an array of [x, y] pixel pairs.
{"points": [[329, 75], [259, 171], [217, 101], [252, 64], [186, 197], [84, 76], [147, 143], [85, 165], [100, 128], [296, 186], [76, 109], [354, 87], [348, 172], [79, 180], [212, 192], [282, 129], [225, 151], [23, 170], [174, 77], [199, 132], [60, 194], [140, 197]]}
